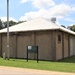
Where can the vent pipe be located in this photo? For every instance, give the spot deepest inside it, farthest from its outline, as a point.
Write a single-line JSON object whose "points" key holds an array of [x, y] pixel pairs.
{"points": [[53, 19]]}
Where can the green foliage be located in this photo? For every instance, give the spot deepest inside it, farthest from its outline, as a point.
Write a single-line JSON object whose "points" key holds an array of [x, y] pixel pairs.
{"points": [[66, 65], [73, 28], [20, 22], [11, 23], [63, 26], [0, 24]]}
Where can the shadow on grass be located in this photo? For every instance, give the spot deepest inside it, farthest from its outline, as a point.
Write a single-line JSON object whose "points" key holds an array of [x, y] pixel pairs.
{"points": [[22, 60], [68, 60], [18, 60]]}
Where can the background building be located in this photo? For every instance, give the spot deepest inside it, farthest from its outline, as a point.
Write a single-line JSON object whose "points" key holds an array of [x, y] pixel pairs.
{"points": [[54, 42]]}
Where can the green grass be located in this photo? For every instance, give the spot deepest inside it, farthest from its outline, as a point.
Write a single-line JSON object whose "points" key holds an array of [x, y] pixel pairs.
{"points": [[66, 65]]}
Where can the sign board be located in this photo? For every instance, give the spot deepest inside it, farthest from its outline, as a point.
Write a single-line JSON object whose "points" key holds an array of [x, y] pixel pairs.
{"points": [[32, 49]]}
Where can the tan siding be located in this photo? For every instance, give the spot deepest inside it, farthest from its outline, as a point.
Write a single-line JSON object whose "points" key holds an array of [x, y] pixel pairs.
{"points": [[72, 45], [43, 41], [62, 48], [65, 45], [13, 46], [32, 38], [53, 45], [22, 42], [0, 46], [47, 41], [4, 44], [58, 46]]}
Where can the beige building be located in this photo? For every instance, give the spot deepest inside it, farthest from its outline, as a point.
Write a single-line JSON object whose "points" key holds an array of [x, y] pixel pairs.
{"points": [[54, 42]]}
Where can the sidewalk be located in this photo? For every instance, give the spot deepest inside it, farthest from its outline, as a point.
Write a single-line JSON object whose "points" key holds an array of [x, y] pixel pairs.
{"points": [[21, 71]]}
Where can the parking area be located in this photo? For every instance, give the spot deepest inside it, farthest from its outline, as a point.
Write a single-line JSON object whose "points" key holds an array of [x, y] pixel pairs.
{"points": [[22, 71]]}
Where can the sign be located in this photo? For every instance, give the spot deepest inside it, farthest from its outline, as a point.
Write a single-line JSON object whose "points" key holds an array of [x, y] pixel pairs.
{"points": [[32, 49], [29, 47]]}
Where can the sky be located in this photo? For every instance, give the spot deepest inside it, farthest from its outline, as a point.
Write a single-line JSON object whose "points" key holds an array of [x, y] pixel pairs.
{"points": [[21, 10]]}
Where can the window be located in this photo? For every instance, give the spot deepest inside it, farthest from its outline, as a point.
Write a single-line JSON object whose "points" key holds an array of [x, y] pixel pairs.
{"points": [[59, 38]]}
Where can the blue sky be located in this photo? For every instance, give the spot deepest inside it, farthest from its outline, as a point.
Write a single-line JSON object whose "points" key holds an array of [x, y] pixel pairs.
{"points": [[63, 10]]}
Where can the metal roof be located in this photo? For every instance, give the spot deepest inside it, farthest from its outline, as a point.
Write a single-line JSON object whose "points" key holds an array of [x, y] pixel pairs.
{"points": [[36, 24]]}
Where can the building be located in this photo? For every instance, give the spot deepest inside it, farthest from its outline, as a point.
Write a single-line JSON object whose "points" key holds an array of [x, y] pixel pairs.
{"points": [[54, 42]]}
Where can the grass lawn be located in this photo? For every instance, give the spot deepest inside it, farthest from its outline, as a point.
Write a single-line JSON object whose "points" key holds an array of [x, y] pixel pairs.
{"points": [[66, 65]]}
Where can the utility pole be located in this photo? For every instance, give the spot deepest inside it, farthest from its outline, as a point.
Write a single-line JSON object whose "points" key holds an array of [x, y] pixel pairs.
{"points": [[8, 29]]}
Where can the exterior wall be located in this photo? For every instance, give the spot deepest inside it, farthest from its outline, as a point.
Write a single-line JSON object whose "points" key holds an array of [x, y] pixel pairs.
{"points": [[23, 40], [0, 45], [58, 46], [62, 47], [12, 48], [65, 45], [4, 44], [45, 42], [72, 45], [53, 45]]}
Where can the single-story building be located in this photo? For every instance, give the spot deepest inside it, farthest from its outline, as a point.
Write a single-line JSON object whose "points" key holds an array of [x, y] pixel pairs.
{"points": [[54, 42]]}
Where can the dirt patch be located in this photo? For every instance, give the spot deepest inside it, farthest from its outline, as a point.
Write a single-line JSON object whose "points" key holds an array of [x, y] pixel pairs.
{"points": [[23, 71]]}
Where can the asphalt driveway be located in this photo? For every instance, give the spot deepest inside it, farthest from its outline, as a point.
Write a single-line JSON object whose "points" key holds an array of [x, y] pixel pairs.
{"points": [[22, 71]]}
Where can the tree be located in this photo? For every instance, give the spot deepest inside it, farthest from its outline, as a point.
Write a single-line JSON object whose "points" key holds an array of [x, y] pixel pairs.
{"points": [[0, 24], [73, 28], [10, 23], [63, 26], [20, 22]]}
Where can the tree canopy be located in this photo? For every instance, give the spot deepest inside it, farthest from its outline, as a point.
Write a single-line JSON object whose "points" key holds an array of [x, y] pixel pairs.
{"points": [[11, 23], [73, 28], [0, 24], [63, 26]]}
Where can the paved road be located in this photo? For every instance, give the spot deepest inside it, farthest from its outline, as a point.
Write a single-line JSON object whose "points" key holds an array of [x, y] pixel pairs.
{"points": [[20, 71]]}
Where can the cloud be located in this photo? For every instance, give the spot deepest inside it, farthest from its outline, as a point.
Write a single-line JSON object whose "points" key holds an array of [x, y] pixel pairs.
{"points": [[34, 14], [5, 19], [43, 3], [40, 3], [58, 11], [23, 1], [48, 8], [73, 8], [61, 9], [60, 17]]}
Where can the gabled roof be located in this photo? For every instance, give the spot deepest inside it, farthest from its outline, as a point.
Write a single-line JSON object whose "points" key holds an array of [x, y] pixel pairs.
{"points": [[34, 25]]}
